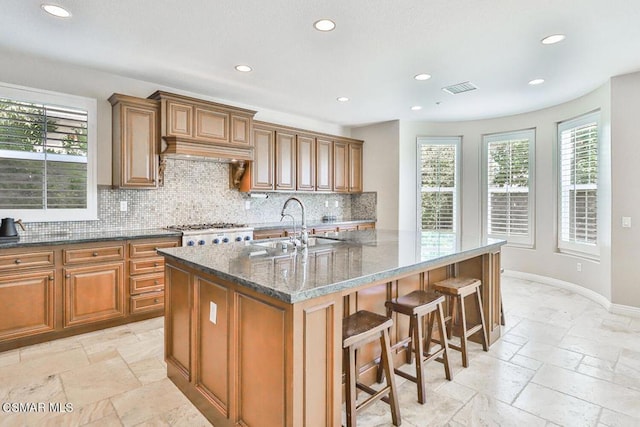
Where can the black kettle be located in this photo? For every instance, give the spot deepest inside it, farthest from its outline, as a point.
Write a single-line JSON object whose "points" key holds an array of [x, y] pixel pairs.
{"points": [[8, 227]]}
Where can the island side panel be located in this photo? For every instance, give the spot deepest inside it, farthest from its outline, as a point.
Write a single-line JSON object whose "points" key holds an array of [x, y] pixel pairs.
{"points": [[177, 324]]}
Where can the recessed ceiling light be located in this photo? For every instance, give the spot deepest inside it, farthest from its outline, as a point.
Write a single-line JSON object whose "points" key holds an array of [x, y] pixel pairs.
{"points": [[555, 38], [54, 10], [243, 68], [536, 82], [416, 107], [422, 76], [324, 25], [342, 98]]}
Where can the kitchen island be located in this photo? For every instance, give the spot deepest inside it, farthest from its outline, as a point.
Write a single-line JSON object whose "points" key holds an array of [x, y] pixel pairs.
{"points": [[253, 331]]}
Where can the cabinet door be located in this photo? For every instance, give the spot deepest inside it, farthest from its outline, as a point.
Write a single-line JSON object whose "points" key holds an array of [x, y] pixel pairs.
{"points": [[324, 165], [211, 125], [355, 168], [340, 167], [93, 293], [26, 304], [262, 167], [241, 130], [179, 119], [139, 141], [306, 163], [285, 161]]}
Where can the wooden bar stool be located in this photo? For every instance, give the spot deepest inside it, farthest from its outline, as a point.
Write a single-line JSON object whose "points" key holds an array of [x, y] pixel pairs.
{"points": [[456, 289], [361, 328], [417, 305]]}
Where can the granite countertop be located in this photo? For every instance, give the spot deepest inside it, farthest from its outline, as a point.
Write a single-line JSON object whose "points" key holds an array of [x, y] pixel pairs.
{"points": [[310, 224], [61, 238], [347, 260]]}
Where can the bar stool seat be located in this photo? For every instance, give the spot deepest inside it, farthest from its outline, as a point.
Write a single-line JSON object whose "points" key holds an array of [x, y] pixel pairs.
{"points": [[358, 329], [416, 305], [456, 289]]}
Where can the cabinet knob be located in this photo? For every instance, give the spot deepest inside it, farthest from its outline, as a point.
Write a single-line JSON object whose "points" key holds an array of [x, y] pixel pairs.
{"points": [[155, 282], [51, 278], [95, 254], [67, 275], [18, 261], [156, 300], [155, 264]]}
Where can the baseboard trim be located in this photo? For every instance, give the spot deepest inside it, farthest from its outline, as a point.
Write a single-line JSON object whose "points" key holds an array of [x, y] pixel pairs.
{"points": [[626, 310]]}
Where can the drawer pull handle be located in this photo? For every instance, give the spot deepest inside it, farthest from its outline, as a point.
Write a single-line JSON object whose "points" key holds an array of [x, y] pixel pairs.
{"points": [[51, 278], [18, 261], [156, 300], [95, 254]]}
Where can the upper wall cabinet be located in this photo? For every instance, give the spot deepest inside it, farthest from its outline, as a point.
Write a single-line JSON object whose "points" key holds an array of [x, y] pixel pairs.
{"points": [[290, 159], [135, 141], [196, 127]]}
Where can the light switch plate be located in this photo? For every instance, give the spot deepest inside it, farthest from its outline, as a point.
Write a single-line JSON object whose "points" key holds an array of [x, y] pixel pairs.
{"points": [[247, 204], [626, 222], [123, 206], [213, 312]]}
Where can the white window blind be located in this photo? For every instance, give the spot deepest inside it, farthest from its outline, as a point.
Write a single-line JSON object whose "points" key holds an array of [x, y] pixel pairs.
{"points": [[509, 186], [578, 173], [438, 175], [44, 160]]}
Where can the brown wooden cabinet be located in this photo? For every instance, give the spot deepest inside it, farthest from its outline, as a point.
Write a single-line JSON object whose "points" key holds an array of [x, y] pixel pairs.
{"points": [[135, 142], [27, 303], [324, 229], [324, 164], [50, 292], [261, 171], [305, 163], [347, 167], [285, 160]]}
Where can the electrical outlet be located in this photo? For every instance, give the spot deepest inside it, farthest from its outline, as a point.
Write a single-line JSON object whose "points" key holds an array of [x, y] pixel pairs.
{"points": [[247, 204], [213, 312], [336, 203], [626, 222], [326, 203], [579, 266], [123, 206]]}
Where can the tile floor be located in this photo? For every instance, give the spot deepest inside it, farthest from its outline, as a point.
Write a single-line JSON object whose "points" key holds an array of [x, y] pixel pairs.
{"points": [[563, 360]]}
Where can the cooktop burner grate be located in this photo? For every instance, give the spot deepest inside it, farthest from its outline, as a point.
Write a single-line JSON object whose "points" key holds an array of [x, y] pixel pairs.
{"points": [[207, 226]]}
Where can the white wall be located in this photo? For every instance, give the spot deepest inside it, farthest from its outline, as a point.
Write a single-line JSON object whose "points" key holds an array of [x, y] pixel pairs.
{"points": [[625, 134], [381, 160], [543, 259], [45, 74]]}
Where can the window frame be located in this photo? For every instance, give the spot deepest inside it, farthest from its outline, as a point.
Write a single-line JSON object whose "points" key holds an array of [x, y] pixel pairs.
{"points": [[576, 248], [514, 240], [456, 141], [39, 96]]}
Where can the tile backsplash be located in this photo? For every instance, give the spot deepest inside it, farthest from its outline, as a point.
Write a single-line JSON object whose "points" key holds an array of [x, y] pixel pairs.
{"points": [[198, 192]]}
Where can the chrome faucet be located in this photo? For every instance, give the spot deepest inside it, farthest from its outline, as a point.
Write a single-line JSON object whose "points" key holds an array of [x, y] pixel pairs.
{"points": [[304, 235]]}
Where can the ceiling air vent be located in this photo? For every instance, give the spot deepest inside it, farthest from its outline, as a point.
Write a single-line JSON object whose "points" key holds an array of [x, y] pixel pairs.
{"points": [[459, 88]]}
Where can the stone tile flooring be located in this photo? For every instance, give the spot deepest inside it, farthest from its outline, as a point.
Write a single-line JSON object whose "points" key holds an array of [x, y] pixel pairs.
{"points": [[562, 360]]}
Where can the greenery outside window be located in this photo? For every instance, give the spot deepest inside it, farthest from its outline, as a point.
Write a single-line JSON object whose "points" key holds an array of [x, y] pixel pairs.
{"points": [[438, 175], [509, 191], [47, 155], [578, 143]]}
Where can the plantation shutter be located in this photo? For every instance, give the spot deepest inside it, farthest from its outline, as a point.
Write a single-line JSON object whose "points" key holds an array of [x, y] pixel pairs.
{"points": [[509, 199], [43, 156], [578, 141], [438, 183]]}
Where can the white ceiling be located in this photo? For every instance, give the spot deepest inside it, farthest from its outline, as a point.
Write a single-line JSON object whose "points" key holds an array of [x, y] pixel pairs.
{"points": [[371, 56]]}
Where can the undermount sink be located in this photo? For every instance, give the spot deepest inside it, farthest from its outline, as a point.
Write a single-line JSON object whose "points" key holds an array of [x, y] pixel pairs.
{"points": [[285, 244]]}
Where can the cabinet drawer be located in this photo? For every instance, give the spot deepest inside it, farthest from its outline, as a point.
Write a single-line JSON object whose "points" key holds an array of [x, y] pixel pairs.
{"points": [[146, 283], [26, 260], [147, 249], [86, 255], [146, 265], [147, 302]]}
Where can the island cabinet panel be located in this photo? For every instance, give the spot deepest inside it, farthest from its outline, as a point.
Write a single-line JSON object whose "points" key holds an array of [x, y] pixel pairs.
{"points": [[178, 300], [211, 373], [34, 291], [93, 293], [261, 368]]}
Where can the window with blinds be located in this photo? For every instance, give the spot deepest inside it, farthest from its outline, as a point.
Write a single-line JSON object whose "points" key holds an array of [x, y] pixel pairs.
{"points": [[438, 175], [578, 174], [509, 197], [44, 152]]}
